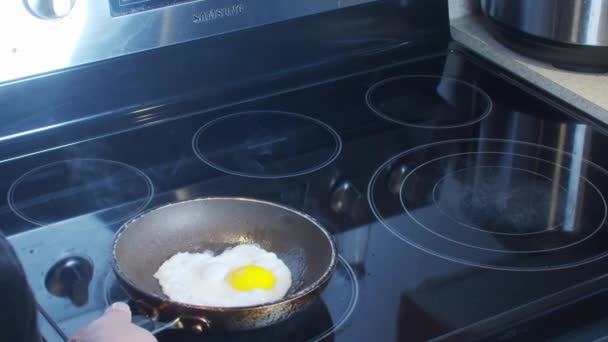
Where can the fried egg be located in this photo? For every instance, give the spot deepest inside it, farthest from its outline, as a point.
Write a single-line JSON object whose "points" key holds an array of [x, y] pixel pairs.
{"points": [[244, 275]]}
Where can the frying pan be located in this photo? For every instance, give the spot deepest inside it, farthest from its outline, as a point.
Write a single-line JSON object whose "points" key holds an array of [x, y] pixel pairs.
{"points": [[144, 243]]}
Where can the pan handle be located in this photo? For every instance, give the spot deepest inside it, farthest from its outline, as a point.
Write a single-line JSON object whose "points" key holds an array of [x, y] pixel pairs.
{"points": [[170, 325], [197, 325], [143, 307]]}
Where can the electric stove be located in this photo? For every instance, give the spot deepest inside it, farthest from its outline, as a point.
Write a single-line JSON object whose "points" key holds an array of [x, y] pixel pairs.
{"points": [[465, 203]]}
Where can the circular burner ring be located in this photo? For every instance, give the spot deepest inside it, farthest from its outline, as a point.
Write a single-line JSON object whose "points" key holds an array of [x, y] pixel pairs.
{"points": [[457, 83], [403, 205], [325, 127], [386, 165], [138, 173], [351, 305], [483, 230], [114, 293]]}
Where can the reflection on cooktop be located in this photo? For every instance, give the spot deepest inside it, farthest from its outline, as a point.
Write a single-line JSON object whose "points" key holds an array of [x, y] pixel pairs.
{"points": [[485, 201]]}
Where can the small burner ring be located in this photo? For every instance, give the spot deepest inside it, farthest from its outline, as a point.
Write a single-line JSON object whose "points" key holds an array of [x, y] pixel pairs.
{"points": [[111, 190], [428, 101]]}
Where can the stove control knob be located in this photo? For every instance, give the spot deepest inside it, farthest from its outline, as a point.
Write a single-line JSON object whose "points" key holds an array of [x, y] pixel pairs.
{"points": [[50, 9], [70, 278], [396, 177], [348, 201], [344, 197]]}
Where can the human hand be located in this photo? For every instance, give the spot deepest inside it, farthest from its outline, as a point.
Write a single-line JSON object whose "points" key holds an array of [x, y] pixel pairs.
{"points": [[114, 326]]}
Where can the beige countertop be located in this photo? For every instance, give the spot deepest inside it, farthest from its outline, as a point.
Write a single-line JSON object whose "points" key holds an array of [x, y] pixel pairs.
{"points": [[587, 92]]}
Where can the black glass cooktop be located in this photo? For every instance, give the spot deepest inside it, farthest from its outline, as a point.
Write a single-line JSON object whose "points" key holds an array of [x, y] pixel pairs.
{"points": [[454, 195]]}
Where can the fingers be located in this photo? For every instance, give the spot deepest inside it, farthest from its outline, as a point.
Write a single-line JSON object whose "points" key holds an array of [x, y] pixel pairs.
{"points": [[118, 311], [116, 315], [114, 326]]}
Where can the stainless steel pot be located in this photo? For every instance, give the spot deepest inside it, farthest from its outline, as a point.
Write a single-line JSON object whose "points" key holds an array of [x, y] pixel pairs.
{"points": [[572, 34], [582, 22]]}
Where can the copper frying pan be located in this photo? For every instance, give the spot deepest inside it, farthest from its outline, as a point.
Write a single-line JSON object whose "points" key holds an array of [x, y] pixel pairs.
{"points": [[144, 243]]}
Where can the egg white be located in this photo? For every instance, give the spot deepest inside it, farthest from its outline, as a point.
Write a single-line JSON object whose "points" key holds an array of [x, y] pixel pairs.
{"points": [[203, 279]]}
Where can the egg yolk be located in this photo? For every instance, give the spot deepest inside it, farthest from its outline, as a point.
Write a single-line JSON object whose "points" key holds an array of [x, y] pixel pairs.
{"points": [[251, 277]]}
